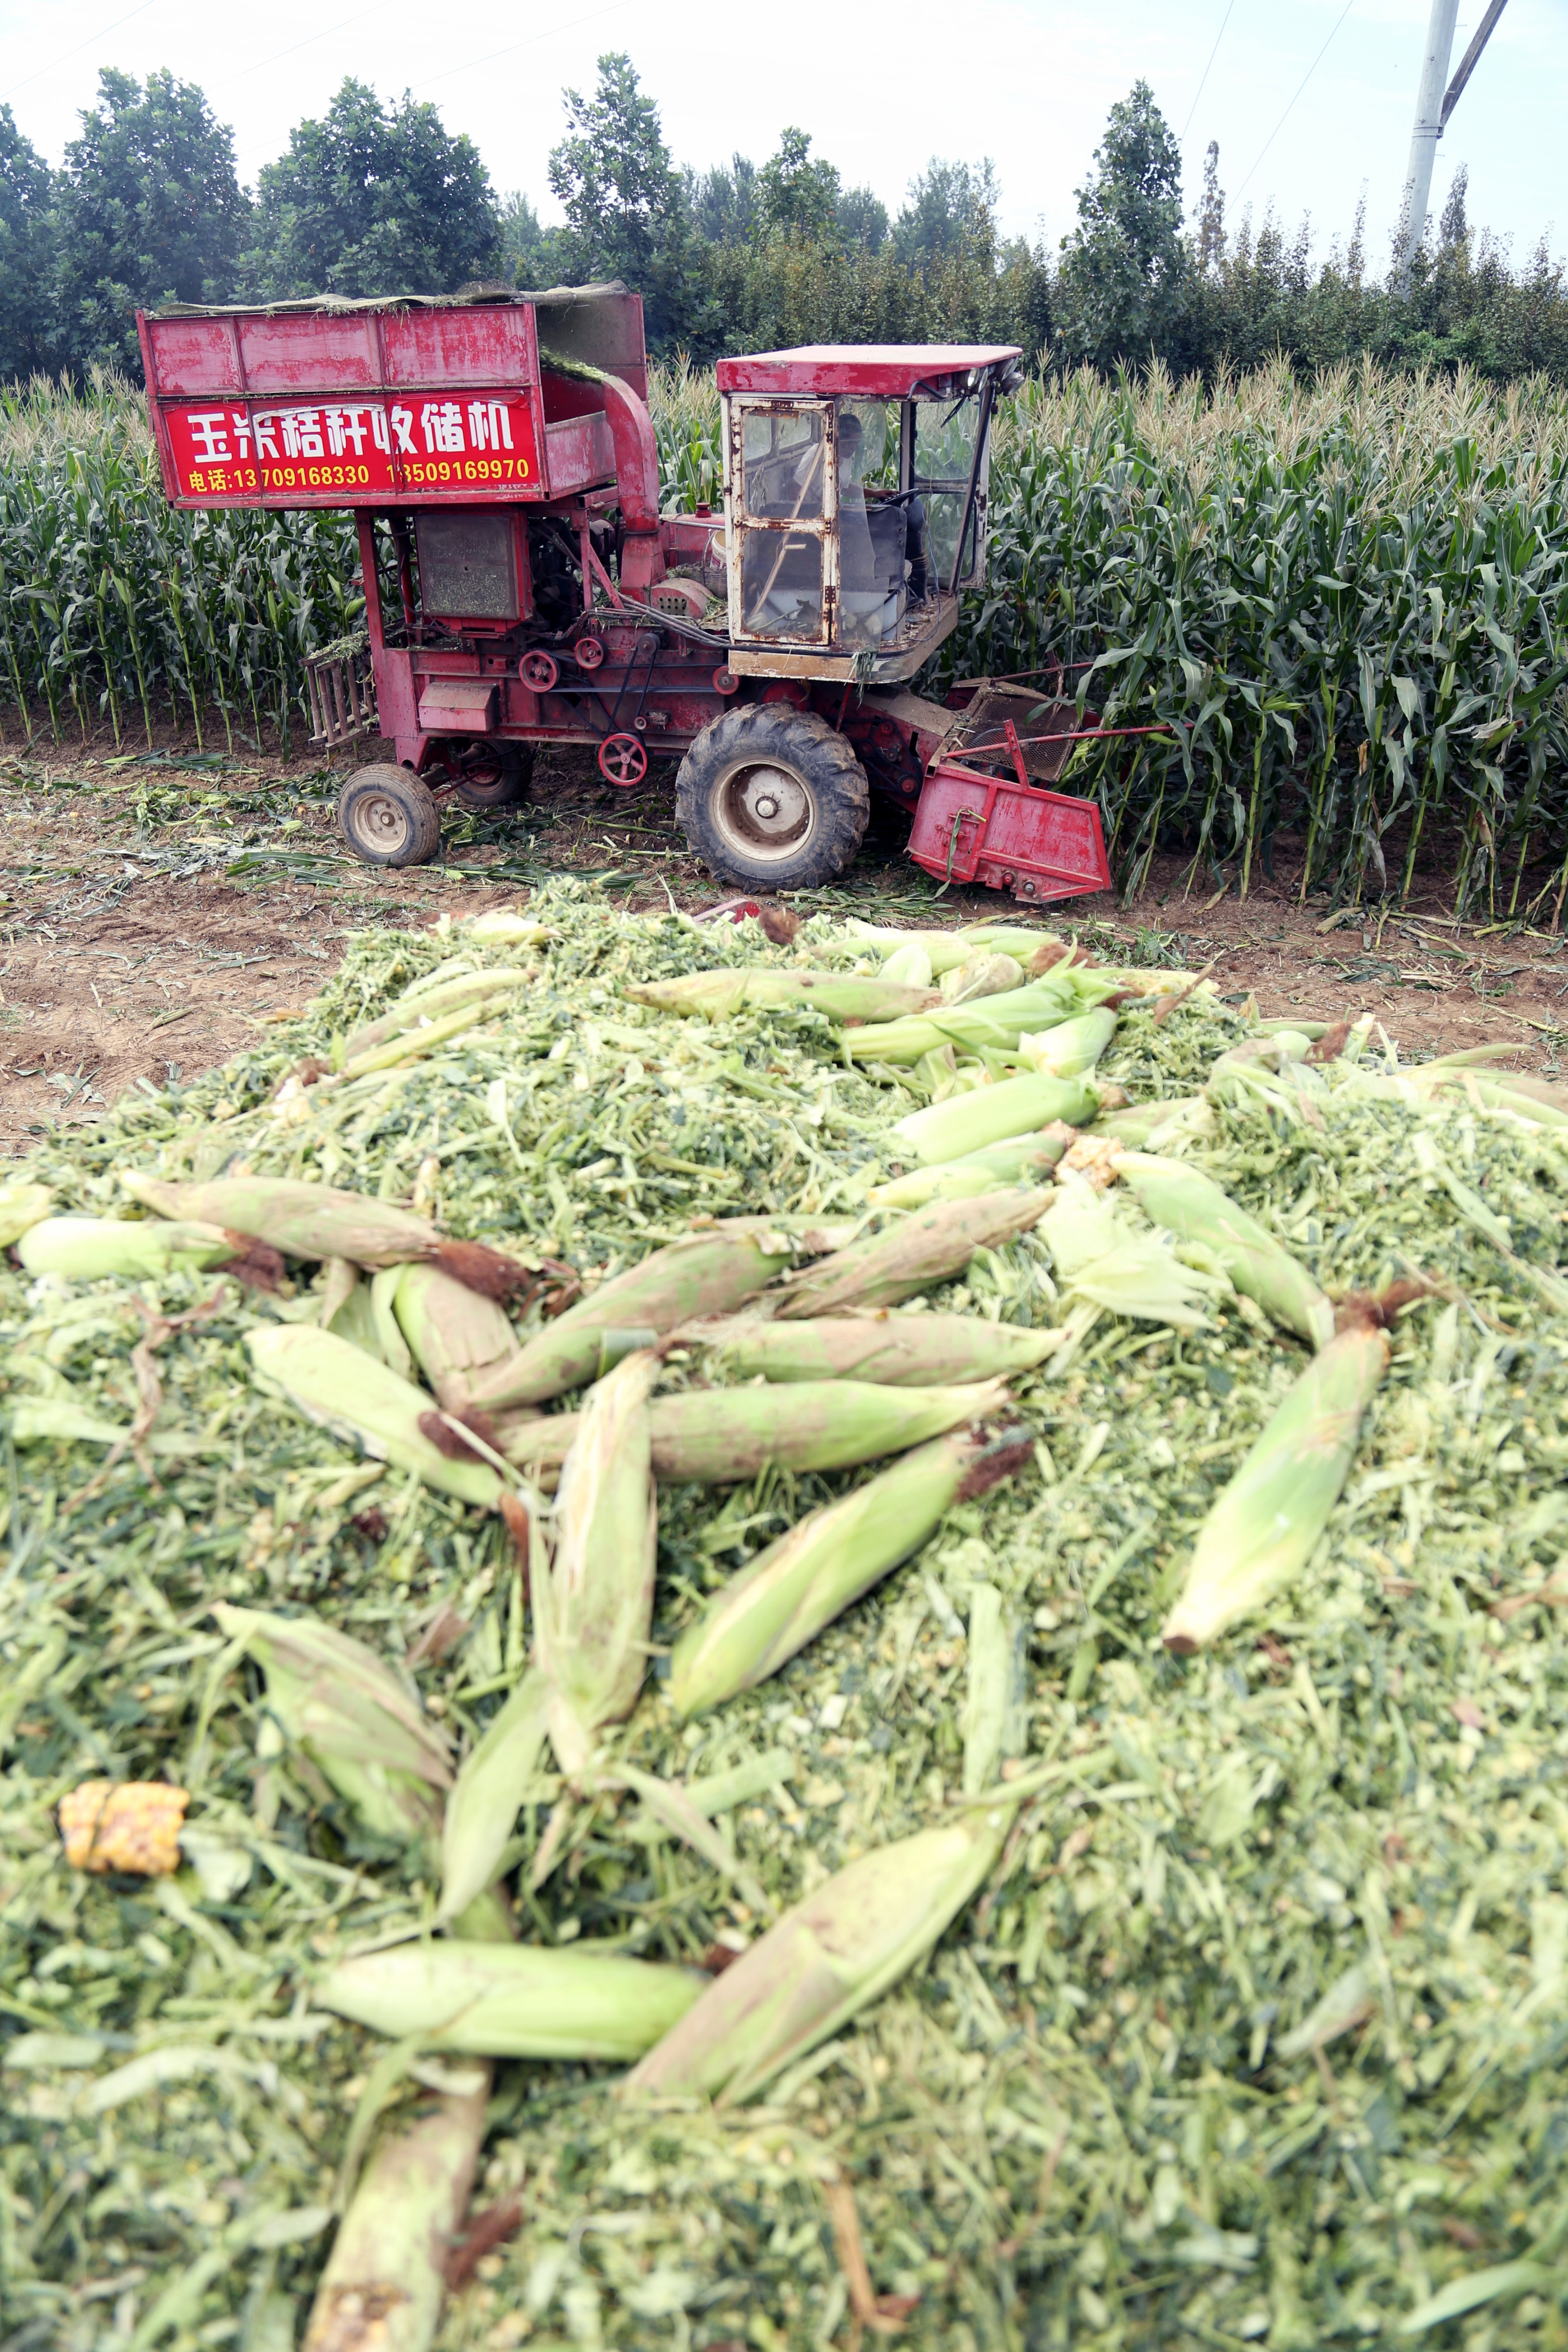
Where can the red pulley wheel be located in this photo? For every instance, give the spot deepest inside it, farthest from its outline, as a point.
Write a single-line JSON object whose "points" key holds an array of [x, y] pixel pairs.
{"points": [[539, 672], [622, 760], [588, 653], [725, 682]]}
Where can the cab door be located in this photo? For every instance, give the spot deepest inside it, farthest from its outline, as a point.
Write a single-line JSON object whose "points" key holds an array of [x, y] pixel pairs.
{"points": [[781, 506]]}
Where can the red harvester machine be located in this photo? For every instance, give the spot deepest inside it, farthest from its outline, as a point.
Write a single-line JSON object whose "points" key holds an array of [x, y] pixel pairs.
{"points": [[523, 587]]}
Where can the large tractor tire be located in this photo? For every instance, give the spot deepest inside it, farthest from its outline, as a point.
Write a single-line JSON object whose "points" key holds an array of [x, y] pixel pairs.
{"points": [[389, 817], [772, 798]]}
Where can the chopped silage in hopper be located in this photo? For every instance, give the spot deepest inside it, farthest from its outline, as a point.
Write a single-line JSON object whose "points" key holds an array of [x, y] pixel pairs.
{"points": [[1253, 2036]]}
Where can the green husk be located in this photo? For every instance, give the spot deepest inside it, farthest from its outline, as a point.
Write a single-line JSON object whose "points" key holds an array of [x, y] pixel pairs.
{"points": [[1262, 1531], [22, 1206], [455, 1337], [88, 1249], [783, 1598], [481, 1806], [308, 1221], [1189, 1203], [827, 1959], [895, 1351], [338, 1385], [1022, 1158], [718, 1435], [985, 973], [972, 1122], [432, 1004], [992, 1021], [1098, 1256], [709, 1274], [1071, 1047], [516, 2000], [721, 994], [930, 1246]]}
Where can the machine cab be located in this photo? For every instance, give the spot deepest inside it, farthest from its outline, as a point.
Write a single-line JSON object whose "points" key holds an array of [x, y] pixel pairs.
{"points": [[855, 501]]}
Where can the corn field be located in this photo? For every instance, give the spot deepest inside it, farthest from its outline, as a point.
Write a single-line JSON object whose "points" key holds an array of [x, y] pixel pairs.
{"points": [[1346, 600]]}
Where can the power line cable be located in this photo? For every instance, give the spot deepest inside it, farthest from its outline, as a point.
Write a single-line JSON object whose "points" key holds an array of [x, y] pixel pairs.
{"points": [[1213, 54], [1305, 78], [139, 10], [308, 42], [512, 47]]}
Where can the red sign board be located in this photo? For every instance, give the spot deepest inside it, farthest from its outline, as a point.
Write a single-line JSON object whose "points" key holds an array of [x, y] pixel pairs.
{"points": [[339, 452]]}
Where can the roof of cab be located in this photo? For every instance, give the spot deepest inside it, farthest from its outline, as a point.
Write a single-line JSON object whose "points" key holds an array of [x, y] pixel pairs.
{"points": [[865, 370]]}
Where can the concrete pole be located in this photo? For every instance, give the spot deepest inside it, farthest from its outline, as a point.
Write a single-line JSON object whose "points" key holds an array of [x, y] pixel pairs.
{"points": [[1423, 136]]}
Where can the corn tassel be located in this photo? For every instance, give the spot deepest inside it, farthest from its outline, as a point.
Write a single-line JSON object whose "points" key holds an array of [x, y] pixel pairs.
{"points": [[894, 1350], [783, 1598], [455, 1335], [710, 1274], [335, 1383], [86, 1249], [1191, 1204], [511, 2000], [592, 1609], [351, 1717], [972, 1122], [827, 1958], [1265, 1526], [931, 1246]]}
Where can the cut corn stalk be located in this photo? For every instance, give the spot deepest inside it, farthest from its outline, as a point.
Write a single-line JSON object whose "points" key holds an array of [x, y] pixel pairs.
{"points": [[827, 1959], [315, 1221], [593, 1608], [784, 1597], [482, 1804], [354, 1718], [968, 1123], [469, 989], [714, 1436], [85, 1249], [895, 1350], [1189, 1203], [1100, 1258], [22, 1206], [511, 2000], [1021, 1160], [710, 1274], [416, 1039], [931, 1246], [456, 1336], [1071, 1047], [720, 994], [1263, 1529], [337, 1384]]}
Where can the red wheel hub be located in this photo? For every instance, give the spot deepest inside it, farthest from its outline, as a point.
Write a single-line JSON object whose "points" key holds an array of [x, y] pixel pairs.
{"points": [[623, 759]]}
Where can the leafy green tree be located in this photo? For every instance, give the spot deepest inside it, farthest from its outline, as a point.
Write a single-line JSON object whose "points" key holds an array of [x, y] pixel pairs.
{"points": [[796, 193], [150, 211], [26, 255], [531, 255], [949, 207], [625, 201], [373, 199], [722, 202], [860, 221], [1125, 269]]}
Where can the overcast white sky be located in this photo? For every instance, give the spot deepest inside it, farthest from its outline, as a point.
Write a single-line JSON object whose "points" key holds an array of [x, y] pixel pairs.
{"points": [[1025, 81]]}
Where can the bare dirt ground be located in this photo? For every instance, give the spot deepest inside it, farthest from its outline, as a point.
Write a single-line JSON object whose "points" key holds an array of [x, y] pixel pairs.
{"points": [[156, 907]]}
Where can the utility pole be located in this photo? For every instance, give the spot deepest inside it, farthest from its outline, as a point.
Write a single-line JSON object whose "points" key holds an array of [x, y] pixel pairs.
{"points": [[1434, 105]]}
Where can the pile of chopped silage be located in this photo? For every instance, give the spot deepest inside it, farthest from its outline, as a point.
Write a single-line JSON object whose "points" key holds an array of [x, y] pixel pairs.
{"points": [[1254, 2036]]}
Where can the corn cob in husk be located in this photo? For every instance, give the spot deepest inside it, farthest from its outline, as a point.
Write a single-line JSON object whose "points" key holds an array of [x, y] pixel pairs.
{"points": [[783, 1598], [592, 1609], [86, 1249], [1189, 1203], [1071, 1047], [511, 2000], [910, 965], [1100, 1257], [720, 994], [337, 1384], [455, 1335], [714, 1436], [992, 1021], [895, 1351], [22, 1206], [931, 1246], [971, 1122], [353, 1717], [1262, 1530], [509, 926], [827, 1959], [1021, 1160], [986, 971], [408, 1011], [317, 1220], [709, 1274], [1135, 1126]]}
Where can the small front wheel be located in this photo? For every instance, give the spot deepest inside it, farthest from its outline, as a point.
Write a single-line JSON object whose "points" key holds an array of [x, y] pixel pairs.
{"points": [[772, 798], [388, 817]]}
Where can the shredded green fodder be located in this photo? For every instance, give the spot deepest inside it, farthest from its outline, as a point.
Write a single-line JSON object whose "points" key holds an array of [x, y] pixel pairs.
{"points": [[1085, 2122]]}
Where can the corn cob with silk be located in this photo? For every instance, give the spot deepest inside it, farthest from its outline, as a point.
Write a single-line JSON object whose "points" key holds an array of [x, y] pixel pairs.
{"points": [[1263, 1529], [826, 1960], [721, 994], [455, 1335], [932, 1245], [990, 1021], [336, 1383], [715, 1436], [1021, 1160], [709, 1274], [350, 1715], [511, 2001], [1191, 1204], [783, 1598], [316, 1221], [85, 1249], [893, 1350], [972, 1122]]}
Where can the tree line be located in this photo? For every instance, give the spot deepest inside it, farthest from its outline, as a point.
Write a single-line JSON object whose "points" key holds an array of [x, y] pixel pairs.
{"points": [[378, 197]]}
